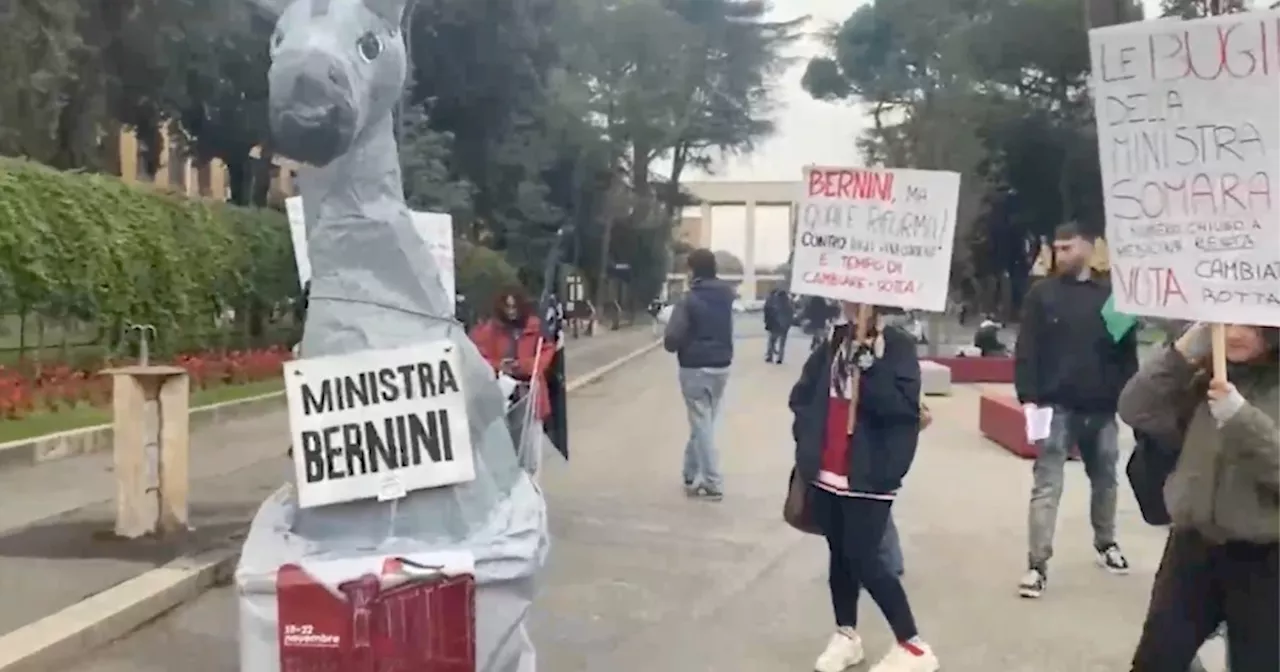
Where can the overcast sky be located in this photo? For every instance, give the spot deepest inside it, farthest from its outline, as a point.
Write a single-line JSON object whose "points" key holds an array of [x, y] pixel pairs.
{"points": [[809, 131]]}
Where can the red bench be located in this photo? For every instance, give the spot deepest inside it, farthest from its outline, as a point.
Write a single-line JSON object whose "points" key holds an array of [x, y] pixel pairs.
{"points": [[1000, 419], [978, 369]]}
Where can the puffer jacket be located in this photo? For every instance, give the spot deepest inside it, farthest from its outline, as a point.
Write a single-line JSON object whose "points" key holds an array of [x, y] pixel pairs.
{"points": [[1226, 485]]}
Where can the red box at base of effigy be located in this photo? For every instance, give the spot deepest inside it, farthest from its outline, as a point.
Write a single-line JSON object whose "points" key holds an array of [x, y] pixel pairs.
{"points": [[406, 617], [387, 611]]}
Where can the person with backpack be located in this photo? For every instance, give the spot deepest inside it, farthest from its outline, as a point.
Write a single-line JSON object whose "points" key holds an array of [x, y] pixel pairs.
{"points": [[778, 312], [1221, 563]]}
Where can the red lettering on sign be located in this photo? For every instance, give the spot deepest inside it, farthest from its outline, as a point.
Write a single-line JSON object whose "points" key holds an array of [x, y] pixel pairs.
{"points": [[837, 279], [860, 185], [1149, 286], [861, 263]]}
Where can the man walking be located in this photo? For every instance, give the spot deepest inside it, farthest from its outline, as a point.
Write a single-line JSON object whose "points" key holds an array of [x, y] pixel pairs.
{"points": [[778, 314], [700, 332], [1069, 362]]}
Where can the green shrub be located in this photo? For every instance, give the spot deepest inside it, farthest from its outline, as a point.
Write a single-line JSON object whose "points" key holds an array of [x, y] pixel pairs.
{"points": [[482, 273], [90, 248]]}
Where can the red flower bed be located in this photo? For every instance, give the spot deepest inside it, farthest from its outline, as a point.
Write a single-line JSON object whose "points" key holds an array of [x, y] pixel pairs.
{"points": [[28, 388]]}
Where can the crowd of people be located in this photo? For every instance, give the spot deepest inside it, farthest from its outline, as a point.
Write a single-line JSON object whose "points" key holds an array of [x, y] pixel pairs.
{"points": [[1208, 451]]}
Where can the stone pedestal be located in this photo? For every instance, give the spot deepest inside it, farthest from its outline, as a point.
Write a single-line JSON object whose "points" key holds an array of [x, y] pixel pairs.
{"points": [[151, 444], [935, 378]]}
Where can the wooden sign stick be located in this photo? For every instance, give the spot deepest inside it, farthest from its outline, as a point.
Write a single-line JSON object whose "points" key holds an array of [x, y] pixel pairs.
{"points": [[1219, 352], [859, 335]]}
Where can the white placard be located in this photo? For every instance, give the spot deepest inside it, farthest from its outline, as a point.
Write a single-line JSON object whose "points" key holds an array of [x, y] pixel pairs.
{"points": [[437, 229], [374, 423], [876, 236], [1189, 143], [298, 234]]}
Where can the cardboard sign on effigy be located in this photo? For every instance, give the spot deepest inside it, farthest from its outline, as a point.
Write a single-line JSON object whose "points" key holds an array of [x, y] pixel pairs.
{"points": [[378, 424], [875, 237], [1188, 117]]}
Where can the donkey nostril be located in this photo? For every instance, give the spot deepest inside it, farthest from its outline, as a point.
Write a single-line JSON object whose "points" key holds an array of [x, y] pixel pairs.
{"points": [[309, 91], [335, 76]]}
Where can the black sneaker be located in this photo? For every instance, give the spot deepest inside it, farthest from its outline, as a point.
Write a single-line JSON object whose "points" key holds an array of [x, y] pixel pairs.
{"points": [[1033, 583], [1111, 559]]}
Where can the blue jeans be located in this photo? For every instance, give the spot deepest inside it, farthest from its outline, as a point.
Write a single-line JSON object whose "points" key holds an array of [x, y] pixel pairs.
{"points": [[1096, 435], [777, 345], [702, 389], [891, 550]]}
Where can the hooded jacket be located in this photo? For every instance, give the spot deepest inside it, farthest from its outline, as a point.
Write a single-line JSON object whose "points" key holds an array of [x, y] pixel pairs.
{"points": [[883, 444], [1226, 484]]}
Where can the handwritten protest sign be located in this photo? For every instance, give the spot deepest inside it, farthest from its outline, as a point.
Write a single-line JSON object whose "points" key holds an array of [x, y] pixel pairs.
{"points": [[876, 236], [1188, 137], [378, 424]]}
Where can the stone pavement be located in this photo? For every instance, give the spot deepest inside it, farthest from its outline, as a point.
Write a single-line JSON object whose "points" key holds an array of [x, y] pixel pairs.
{"points": [[55, 549], [642, 579]]}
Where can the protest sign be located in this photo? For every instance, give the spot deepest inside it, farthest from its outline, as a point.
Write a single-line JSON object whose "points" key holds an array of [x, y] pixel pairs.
{"points": [[437, 229], [1188, 117], [298, 234], [378, 424], [876, 236]]}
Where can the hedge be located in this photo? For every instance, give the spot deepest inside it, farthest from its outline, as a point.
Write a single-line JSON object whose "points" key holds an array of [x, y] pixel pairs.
{"points": [[92, 249]]}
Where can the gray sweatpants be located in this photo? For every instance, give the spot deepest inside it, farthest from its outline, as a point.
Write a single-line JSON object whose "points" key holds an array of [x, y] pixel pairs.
{"points": [[1096, 435], [703, 389]]}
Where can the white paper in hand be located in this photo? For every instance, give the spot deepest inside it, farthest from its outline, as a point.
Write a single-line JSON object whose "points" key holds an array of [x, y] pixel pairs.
{"points": [[1039, 418], [508, 386], [664, 314]]}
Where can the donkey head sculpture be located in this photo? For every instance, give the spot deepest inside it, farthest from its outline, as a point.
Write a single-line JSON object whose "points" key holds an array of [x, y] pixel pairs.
{"points": [[337, 68]]}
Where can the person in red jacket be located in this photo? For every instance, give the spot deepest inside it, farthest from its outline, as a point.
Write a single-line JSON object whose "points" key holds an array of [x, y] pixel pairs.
{"points": [[511, 341]]}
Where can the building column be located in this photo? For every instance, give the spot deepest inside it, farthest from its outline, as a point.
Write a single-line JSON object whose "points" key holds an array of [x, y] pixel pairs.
{"points": [[704, 227], [748, 290]]}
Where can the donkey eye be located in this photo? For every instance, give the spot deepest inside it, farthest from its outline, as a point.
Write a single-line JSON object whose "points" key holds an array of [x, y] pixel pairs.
{"points": [[370, 46]]}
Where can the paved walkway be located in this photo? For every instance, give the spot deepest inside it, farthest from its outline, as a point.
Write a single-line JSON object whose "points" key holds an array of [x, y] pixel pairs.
{"points": [[54, 517], [642, 579]]}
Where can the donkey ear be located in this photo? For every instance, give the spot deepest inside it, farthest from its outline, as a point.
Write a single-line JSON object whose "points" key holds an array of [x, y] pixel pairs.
{"points": [[391, 11]]}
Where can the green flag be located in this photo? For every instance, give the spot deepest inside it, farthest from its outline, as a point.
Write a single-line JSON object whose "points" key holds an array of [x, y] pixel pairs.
{"points": [[1118, 324]]}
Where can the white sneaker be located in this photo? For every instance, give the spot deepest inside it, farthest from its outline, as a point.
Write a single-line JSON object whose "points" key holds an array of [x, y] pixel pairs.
{"points": [[1032, 584], [843, 651], [904, 659]]}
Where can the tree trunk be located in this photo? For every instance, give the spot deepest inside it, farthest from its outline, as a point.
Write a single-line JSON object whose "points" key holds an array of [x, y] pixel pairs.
{"points": [[238, 172], [262, 178]]}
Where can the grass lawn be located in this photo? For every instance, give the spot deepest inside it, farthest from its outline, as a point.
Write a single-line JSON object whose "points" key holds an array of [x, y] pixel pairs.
{"points": [[39, 424]]}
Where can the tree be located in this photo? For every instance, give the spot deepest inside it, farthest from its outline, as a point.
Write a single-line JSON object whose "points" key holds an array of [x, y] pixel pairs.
{"points": [[728, 263], [993, 89], [677, 79], [424, 158], [220, 101]]}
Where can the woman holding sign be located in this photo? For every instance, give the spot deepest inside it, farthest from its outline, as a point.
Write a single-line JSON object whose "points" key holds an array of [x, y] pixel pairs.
{"points": [[1222, 561], [856, 425], [511, 340]]}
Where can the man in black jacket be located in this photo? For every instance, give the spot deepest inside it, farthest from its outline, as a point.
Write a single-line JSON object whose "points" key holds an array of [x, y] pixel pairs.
{"points": [[854, 479], [1068, 361], [778, 313], [700, 332]]}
